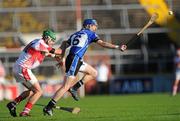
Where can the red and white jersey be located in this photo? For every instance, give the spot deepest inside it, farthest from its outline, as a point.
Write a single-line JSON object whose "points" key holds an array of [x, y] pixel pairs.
{"points": [[32, 56]]}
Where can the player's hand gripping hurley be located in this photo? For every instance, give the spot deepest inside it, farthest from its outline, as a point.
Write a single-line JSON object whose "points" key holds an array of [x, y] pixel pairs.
{"points": [[153, 18]]}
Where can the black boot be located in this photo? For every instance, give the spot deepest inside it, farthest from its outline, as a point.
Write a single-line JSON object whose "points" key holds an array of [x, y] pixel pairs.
{"points": [[74, 93], [12, 108], [48, 110]]}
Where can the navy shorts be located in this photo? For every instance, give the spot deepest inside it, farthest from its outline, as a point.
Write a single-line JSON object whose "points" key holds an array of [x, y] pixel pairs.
{"points": [[73, 64]]}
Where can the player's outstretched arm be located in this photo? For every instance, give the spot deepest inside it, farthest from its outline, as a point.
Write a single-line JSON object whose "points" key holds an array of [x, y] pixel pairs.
{"points": [[59, 52], [111, 46], [61, 59], [53, 52], [63, 47]]}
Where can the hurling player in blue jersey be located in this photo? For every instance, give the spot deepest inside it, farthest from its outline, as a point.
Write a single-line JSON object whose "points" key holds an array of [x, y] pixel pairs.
{"points": [[78, 43]]}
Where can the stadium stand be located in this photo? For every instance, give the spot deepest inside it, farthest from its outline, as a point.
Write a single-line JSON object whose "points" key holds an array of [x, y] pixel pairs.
{"points": [[123, 22]]}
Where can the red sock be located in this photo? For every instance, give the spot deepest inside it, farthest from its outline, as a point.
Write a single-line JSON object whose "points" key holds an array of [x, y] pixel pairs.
{"points": [[28, 107], [18, 99]]}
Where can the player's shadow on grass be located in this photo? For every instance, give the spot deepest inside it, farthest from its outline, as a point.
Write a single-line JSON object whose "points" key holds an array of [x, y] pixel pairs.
{"points": [[165, 114], [172, 114]]}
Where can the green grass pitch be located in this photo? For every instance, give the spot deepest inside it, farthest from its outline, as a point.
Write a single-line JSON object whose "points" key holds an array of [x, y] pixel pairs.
{"points": [[136, 107]]}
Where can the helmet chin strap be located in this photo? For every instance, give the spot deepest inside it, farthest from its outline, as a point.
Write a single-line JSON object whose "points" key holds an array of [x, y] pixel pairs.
{"points": [[46, 39]]}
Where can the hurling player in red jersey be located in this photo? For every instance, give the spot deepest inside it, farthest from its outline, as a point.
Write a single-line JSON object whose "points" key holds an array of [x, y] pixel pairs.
{"points": [[31, 57]]}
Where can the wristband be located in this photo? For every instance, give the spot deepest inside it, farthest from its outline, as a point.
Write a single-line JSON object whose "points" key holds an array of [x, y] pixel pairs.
{"points": [[50, 55], [116, 46], [52, 51]]}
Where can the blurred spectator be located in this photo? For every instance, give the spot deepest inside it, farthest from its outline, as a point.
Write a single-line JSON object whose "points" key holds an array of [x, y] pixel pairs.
{"points": [[102, 78], [2, 80], [177, 73]]}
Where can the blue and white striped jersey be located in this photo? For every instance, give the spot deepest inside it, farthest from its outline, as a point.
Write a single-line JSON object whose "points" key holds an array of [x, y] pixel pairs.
{"points": [[79, 41]]}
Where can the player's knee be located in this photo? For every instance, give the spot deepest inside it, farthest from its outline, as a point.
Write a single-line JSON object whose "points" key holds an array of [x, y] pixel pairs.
{"points": [[38, 91]]}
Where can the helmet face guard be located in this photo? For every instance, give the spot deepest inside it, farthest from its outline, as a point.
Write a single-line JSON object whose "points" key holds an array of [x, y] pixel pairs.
{"points": [[89, 22], [49, 33]]}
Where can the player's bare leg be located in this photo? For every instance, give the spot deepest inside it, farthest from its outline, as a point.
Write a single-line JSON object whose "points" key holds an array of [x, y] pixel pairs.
{"points": [[73, 89], [175, 87], [90, 74], [59, 93], [36, 93]]}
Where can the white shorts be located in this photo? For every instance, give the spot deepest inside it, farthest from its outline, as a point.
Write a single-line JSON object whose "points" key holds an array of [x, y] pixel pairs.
{"points": [[83, 67], [24, 75]]}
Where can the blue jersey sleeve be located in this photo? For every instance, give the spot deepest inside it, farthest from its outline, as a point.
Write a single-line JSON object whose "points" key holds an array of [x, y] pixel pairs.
{"points": [[95, 37]]}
